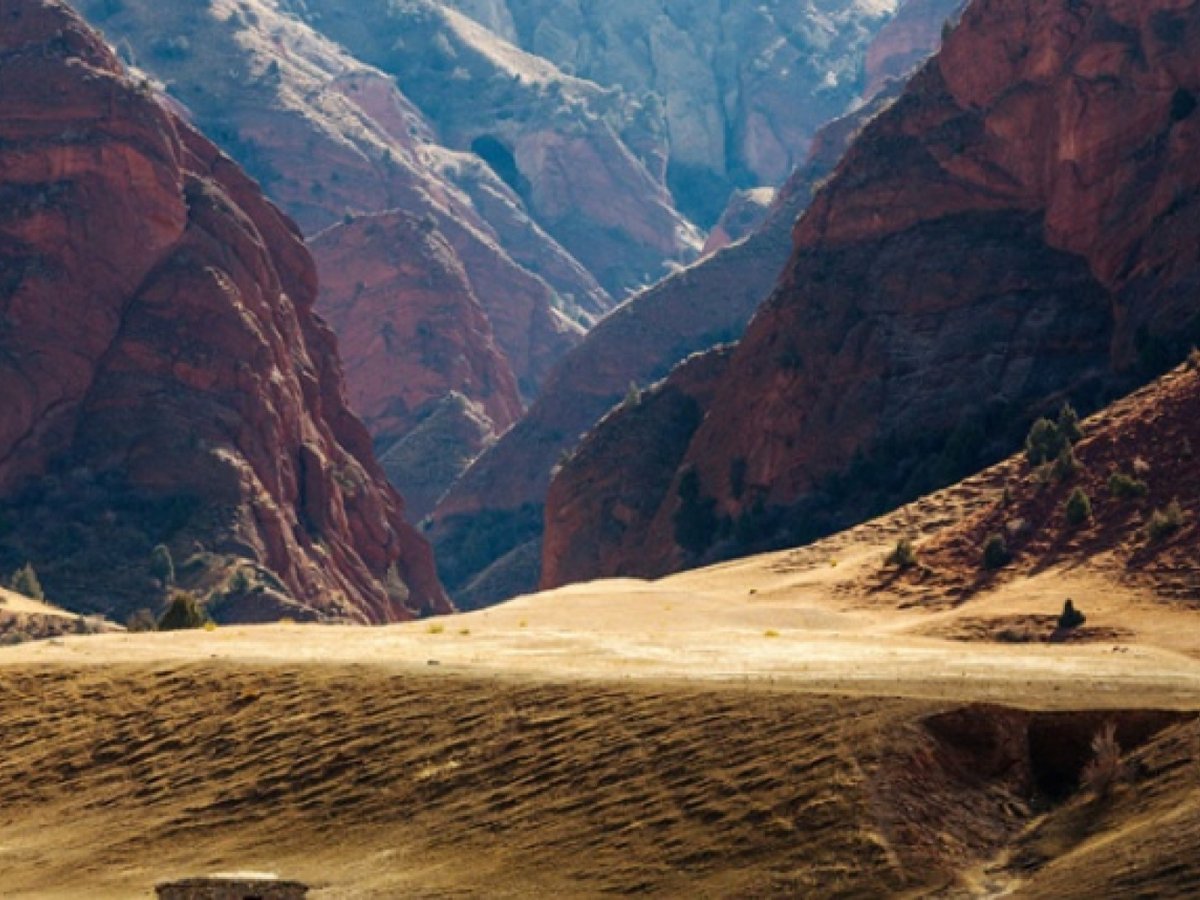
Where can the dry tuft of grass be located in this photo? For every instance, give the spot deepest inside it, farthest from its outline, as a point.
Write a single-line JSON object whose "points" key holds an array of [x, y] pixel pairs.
{"points": [[1106, 768]]}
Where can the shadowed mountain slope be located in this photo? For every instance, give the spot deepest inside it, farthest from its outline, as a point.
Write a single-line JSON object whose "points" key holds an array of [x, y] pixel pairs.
{"points": [[165, 379], [1020, 227]]}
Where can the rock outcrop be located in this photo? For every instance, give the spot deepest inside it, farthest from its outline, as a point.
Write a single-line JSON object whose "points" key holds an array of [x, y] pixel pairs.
{"points": [[497, 505], [329, 137], [747, 210], [165, 380], [907, 40], [412, 332], [575, 152], [741, 87], [1018, 228]]}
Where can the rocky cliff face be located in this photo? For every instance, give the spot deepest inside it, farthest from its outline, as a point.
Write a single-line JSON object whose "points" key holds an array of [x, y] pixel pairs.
{"points": [[630, 457], [1020, 226], [412, 332], [580, 156], [742, 87], [496, 507], [328, 136], [165, 379], [907, 40]]}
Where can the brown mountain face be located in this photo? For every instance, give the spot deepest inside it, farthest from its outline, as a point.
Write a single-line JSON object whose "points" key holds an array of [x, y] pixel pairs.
{"points": [[490, 523], [334, 140], [632, 453], [1019, 227], [411, 331], [165, 379]]}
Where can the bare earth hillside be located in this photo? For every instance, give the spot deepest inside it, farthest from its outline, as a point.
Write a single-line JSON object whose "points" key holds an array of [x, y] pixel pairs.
{"points": [[796, 723]]}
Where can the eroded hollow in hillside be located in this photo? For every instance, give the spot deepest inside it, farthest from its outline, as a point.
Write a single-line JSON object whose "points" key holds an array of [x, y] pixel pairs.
{"points": [[957, 786], [1041, 755], [500, 158], [1060, 744]]}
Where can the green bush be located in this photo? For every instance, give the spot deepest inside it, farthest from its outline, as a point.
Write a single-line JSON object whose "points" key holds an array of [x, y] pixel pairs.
{"points": [[1066, 464], [25, 581], [1043, 442], [1068, 424], [1165, 522], [184, 612], [996, 554], [1047, 440], [1070, 617], [1078, 507], [904, 556], [1126, 487]]}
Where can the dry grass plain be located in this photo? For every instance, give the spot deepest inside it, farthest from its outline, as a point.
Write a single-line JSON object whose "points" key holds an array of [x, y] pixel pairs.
{"points": [[797, 724]]}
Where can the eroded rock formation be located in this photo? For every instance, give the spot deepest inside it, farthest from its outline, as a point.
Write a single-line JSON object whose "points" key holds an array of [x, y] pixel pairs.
{"points": [[164, 377], [1019, 227], [412, 332], [580, 156], [497, 506], [328, 137], [741, 88]]}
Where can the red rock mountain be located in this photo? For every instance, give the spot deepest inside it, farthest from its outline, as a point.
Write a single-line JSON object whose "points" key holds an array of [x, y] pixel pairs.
{"points": [[1019, 227], [487, 529], [165, 379], [411, 331], [328, 136]]}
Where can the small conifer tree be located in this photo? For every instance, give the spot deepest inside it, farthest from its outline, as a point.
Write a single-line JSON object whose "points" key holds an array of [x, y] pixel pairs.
{"points": [[185, 611], [995, 552], [1078, 508], [25, 581]]}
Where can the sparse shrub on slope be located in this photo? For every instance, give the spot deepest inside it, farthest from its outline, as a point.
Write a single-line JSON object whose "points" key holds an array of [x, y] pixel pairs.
{"points": [[904, 556], [25, 581], [184, 612], [996, 554], [1066, 464], [1047, 439], [1106, 767], [1165, 522], [1126, 487], [1078, 508], [1070, 618]]}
